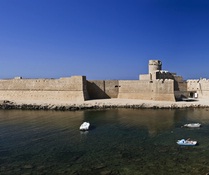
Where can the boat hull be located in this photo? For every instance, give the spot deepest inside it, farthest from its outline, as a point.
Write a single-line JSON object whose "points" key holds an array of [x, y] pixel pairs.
{"points": [[85, 126], [184, 142], [192, 125]]}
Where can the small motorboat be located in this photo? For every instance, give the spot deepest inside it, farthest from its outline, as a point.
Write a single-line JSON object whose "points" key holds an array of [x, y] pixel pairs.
{"points": [[187, 142], [192, 125], [85, 126]]}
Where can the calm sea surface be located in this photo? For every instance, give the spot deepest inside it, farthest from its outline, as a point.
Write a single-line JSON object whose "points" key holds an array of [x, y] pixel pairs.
{"points": [[121, 141]]}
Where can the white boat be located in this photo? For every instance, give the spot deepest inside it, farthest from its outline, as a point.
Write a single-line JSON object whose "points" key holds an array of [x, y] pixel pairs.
{"points": [[85, 126], [192, 125], [187, 142]]}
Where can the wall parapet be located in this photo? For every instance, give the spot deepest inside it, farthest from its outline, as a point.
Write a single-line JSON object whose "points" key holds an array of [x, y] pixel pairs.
{"points": [[69, 88], [161, 90], [200, 86]]}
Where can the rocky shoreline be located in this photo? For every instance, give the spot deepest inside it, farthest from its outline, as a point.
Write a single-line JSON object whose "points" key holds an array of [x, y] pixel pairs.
{"points": [[8, 105]]}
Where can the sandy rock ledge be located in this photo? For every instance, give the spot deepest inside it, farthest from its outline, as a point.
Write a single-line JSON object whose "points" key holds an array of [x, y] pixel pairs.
{"points": [[101, 104]]}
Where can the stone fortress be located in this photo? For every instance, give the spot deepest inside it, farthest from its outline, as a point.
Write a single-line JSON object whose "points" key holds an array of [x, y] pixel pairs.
{"points": [[157, 85]]}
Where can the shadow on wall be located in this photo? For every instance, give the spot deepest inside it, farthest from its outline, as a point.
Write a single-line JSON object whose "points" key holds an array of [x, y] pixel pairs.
{"points": [[96, 90]]}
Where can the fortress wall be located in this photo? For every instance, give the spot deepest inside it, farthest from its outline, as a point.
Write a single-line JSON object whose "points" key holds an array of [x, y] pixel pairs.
{"points": [[144, 77], [111, 88], [181, 90], [203, 88], [96, 89], [182, 86], [204, 85], [180, 94], [178, 78], [163, 75], [100, 89], [74, 83], [192, 85], [40, 95], [200, 86], [70, 88], [146, 90]]}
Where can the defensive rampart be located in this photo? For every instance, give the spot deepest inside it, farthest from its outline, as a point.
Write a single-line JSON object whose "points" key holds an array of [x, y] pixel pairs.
{"points": [[200, 86], [162, 90], [157, 85], [102, 89], [70, 88]]}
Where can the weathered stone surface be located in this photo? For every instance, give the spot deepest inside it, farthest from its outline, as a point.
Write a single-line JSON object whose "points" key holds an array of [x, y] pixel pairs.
{"points": [[70, 88], [107, 104]]}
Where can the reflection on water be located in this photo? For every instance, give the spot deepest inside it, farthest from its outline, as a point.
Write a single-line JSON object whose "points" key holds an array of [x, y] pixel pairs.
{"points": [[120, 141], [150, 119], [155, 122]]}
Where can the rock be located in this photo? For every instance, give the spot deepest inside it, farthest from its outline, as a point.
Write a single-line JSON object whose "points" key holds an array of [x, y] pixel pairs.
{"points": [[5, 104]]}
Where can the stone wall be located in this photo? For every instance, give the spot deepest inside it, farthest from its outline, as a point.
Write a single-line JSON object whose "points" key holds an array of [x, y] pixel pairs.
{"points": [[145, 77], [77, 88], [102, 89], [156, 85], [181, 91], [70, 88], [162, 90], [200, 86]]}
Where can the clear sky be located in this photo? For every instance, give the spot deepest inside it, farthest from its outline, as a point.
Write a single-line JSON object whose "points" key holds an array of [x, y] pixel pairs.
{"points": [[103, 39]]}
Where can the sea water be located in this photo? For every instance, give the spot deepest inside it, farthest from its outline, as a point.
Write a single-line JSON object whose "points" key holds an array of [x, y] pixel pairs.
{"points": [[120, 141]]}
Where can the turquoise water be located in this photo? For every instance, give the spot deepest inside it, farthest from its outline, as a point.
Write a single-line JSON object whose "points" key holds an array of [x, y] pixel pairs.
{"points": [[121, 141]]}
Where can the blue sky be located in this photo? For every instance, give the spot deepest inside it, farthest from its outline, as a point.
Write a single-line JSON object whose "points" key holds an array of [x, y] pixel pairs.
{"points": [[103, 39]]}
